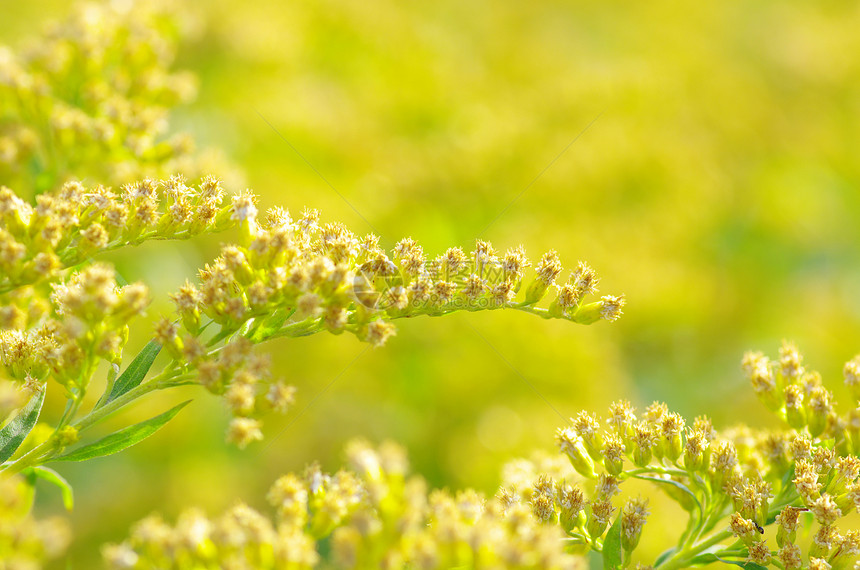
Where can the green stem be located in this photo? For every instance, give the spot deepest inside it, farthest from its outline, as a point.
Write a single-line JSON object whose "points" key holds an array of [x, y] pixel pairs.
{"points": [[113, 372], [300, 328], [47, 449], [682, 558], [657, 469], [97, 415]]}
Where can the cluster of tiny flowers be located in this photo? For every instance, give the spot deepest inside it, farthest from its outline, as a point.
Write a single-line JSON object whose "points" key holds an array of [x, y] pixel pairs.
{"points": [[91, 98], [88, 322], [294, 277], [582, 501], [799, 396], [234, 372], [285, 277], [373, 515], [760, 498], [27, 542], [733, 484], [69, 226]]}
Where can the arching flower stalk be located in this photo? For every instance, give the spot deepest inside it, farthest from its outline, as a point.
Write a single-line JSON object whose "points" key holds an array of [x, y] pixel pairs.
{"points": [[61, 314]]}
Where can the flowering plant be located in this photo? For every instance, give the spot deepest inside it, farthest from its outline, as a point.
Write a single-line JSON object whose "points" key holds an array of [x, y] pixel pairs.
{"points": [[90, 103], [774, 498], [65, 318]]}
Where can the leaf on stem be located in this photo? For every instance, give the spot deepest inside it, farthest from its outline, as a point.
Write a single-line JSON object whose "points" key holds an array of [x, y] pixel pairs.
{"points": [[613, 553], [122, 439], [677, 485], [270, 325], [54, 478], [15, 432], [136, 371], [710, 557]]}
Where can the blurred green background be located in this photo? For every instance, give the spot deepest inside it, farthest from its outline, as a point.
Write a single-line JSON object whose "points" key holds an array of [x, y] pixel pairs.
{"points": [[717, 187]]}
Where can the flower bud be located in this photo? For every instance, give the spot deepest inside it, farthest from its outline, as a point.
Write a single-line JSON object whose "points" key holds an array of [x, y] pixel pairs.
{"points": [[588, 313], [599, 516], [572, 503], [851, 373], [794, 410], [818, 408], [643, 440], [786, 525], [672, 427], [65, 437], [588, 428], [547, 271], [696, 452], [633, 517], [571, 445], [613, 454]]}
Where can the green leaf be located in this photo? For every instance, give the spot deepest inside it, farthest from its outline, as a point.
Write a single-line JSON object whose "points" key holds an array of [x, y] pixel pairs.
{"points": [[55, 478], [675, 484], [707, 556], [120, 280], [787, 490], [613, 553], [136, 371], [270, 325], [15, 432], [710, 558], [225, 332], [122, 439]]}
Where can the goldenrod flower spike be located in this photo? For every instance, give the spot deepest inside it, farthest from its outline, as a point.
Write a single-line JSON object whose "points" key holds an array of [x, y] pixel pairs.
{"points": [[733, 484], [283, 277], [72, 225], [292, 278], [373, 515]]}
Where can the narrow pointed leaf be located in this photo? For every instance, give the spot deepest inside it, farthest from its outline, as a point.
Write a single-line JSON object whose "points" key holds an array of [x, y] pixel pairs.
{"points": [[136, 371], [55, 478], [122, 439], [15, 432], [710, 558], [678, 485], [270, 325], [613, 553], [225, 332]]}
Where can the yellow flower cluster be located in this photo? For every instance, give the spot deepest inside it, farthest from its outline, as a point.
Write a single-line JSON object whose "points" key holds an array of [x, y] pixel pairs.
{"points": [[296, 277], [768, 498], [372, 516], [26, 542], [285, 277], [89, 323], [733, 483], [800, 398], [90, 98], [90, 101], [237, 374], [70, 226]]}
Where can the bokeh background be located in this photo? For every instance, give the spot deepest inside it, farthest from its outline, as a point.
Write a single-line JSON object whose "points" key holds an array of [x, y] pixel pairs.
{"points": [[715, 184]]}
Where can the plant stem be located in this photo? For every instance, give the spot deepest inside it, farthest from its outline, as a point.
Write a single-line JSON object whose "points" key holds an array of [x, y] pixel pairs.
{"points": [[48, 448], [682, 558], [298, 328], [99, 414]]}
